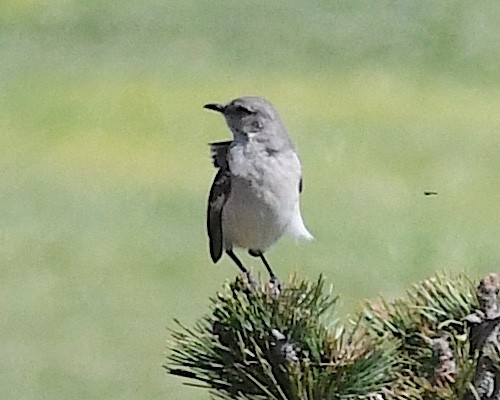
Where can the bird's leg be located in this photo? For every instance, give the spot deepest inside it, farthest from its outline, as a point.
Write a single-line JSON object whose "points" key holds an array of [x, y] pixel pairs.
{"points": [[237, 261], [268, 267], [240, 265], [274, 281]]}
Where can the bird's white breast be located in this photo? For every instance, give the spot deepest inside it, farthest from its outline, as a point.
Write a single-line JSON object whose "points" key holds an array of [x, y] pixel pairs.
{"points": [[264, 200]]}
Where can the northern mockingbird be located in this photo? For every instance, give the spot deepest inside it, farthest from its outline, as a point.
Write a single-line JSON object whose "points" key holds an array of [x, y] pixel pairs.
{"points": [[254, 198]]}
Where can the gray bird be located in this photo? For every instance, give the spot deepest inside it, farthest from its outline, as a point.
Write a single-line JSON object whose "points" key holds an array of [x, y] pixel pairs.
{"points": [[254, 199]]}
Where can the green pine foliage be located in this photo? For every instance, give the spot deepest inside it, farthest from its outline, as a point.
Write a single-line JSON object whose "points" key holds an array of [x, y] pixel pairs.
{"points": [[429, 321], [257, 343]]}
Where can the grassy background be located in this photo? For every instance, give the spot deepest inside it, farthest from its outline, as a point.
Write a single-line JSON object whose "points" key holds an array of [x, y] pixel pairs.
{"points": [[105, 169]]}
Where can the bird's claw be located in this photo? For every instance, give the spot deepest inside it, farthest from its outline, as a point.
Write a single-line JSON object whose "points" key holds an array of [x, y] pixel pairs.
{"points": [[274, 286], [251, 281]]}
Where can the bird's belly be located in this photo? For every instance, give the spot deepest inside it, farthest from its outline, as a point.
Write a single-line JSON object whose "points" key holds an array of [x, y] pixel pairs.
{"points": [[253, 219]]}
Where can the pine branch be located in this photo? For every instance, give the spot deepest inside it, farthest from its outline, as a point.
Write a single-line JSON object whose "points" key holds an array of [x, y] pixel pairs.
{"points": [[439, 342]]}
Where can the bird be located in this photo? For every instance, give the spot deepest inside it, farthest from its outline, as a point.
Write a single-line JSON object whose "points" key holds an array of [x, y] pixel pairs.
{"points": [[255, 196]]}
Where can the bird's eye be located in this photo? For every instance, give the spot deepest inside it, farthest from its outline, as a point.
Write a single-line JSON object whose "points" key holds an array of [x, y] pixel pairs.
{"points": [[256, 124], [243, 110]]}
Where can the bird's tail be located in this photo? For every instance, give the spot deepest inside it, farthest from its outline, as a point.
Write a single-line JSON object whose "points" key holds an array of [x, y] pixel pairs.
{"points": [[298, 230]]}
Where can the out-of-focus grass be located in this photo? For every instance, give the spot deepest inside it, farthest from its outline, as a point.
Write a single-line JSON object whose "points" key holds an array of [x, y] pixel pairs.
{"points": [[105, 168]]}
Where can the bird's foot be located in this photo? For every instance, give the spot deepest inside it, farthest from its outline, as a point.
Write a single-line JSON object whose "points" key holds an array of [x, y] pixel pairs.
{"points": [[274, 286], [245, 283], [251, 281]]}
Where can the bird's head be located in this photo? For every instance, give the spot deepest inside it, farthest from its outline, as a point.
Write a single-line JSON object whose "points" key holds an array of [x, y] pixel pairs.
{"points": [[250, 117]]}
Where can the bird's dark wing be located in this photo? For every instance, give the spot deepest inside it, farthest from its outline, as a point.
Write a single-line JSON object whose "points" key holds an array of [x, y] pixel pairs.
{"points": [[301, 185], [218, 151], [219, 193]]}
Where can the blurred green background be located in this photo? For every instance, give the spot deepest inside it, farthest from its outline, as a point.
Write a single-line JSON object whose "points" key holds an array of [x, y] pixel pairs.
{"points": [[105, 167]]}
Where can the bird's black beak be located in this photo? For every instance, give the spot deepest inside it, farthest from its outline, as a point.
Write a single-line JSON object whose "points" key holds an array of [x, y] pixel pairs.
{"points": [[216, 107]]}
